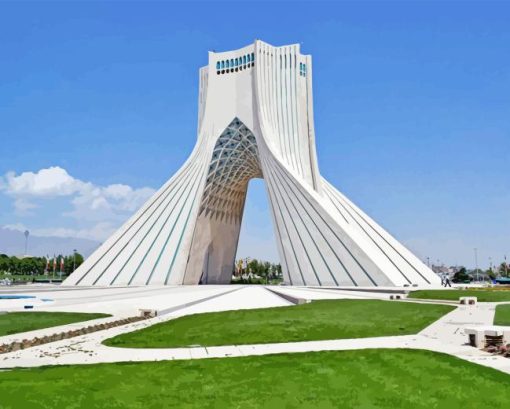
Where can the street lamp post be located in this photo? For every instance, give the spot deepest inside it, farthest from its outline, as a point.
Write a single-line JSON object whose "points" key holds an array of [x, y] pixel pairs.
{"points": [[476, 263], [27, 233], [74, 260], [247, 260]]}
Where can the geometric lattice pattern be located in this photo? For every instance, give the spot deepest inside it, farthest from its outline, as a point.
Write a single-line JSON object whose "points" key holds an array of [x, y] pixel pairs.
{"points": [[235, 160]]}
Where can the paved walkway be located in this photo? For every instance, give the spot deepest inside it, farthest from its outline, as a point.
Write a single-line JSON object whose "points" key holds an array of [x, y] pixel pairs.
{"points": [[445, 335]]}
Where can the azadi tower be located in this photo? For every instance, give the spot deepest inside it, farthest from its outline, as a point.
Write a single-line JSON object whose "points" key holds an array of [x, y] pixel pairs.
{"points": [[255, 120]]}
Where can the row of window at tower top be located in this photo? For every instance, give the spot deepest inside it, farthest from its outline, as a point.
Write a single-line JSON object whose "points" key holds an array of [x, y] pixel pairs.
{"points": [[234, 64], [246, 61]]}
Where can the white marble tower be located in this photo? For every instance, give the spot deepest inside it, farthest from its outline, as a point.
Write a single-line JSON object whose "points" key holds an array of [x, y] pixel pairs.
{"points": [[255, 121]]}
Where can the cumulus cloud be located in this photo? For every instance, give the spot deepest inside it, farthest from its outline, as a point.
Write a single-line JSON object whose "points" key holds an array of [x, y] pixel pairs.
{"points": [[23, 207], [53, 181], [98, 210], [98, 203]]}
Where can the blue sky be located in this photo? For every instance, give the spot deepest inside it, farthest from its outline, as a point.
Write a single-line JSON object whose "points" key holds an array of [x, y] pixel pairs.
{"points": [[412, 112]]}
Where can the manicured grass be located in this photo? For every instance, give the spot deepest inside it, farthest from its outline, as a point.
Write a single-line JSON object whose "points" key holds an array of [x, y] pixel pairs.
{"points": [[379, 378], [318, 320], [502, 316], [15, 322], [484, 295], [29, 277]]}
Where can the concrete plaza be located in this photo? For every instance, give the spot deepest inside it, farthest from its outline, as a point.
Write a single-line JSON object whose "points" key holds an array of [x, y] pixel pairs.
{"points": [[445, 335]]}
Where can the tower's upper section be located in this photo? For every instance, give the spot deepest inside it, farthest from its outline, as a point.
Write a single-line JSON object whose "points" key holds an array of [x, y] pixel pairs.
{"points": [[270, 90], [230, 62]]}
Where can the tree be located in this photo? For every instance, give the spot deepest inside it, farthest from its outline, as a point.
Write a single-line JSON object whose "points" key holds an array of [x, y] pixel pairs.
{"points": [[14, 265], [263, 269], [72, 261], [4, 262], [279, 269], [267, 269], [461, 276], [503, 269]]}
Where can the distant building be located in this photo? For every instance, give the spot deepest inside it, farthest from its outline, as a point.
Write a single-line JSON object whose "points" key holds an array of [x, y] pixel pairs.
{"points": [[443, 270]]}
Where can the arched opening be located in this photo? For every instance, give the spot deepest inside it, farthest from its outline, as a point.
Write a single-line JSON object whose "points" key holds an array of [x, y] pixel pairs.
{"points": [[234, 162], [257, 239]]}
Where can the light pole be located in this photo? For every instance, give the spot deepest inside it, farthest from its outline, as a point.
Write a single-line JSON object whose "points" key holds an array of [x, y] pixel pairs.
{"points": [[247, 260], [27, 233], [74, 260], [476, 263]]}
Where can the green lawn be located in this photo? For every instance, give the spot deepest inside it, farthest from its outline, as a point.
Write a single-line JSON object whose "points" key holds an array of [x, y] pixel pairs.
{"points": [[15, 322], [502, 315], [318, 320], [29, 277], [371, 378], [483, 295]]}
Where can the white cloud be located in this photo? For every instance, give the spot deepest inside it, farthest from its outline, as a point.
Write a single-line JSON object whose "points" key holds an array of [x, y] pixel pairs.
{"points": [[97, 210], [97, 232], [23, 207], [15, 226], [53, 181]]}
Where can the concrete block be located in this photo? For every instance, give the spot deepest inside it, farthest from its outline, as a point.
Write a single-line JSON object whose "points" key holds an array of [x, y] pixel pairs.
{"points": [[476, 337], [468, 300], [506, 335], [147, 313], [494, 332]]}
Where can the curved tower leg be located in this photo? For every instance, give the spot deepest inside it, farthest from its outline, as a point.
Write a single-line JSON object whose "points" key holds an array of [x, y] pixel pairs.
{"points": [[323, 238], [149, 246], [234, 161]]}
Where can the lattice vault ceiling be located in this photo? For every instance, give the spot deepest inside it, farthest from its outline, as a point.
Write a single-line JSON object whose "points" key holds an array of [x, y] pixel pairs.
{"points": [[235, 160]]}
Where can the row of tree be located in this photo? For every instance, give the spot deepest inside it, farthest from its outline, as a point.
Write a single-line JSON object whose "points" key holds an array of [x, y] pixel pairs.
{"points": [[503, 270], [254, 267], [39, 265], [462, 275]]}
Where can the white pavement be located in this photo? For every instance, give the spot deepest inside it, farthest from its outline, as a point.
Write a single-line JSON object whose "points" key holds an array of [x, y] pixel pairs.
{"points": [[445, 335], [117, 301], [314, 293]]}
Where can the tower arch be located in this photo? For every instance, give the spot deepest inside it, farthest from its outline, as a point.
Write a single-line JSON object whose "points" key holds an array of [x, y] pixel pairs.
{"points": [[234, 161]]}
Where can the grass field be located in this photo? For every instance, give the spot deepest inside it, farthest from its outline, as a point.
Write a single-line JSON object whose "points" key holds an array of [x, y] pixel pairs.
{"points": [[379, 378], [502, 316], [29, 277], [15, 322], [484, 295], [318, 320]]}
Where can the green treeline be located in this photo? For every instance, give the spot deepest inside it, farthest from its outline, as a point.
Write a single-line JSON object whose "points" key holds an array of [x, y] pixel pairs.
{"points": [[37, 265]]}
